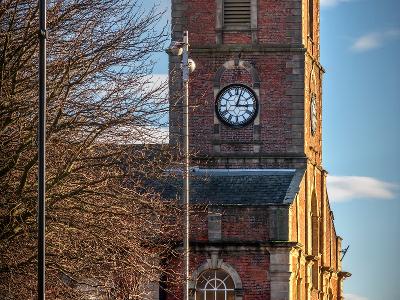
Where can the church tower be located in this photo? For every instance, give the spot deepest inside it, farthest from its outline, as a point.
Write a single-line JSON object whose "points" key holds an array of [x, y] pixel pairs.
{"points": [[263, 228]]}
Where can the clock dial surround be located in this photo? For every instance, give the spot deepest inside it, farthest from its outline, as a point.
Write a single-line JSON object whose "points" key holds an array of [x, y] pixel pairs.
{"points": [[236, 105]]}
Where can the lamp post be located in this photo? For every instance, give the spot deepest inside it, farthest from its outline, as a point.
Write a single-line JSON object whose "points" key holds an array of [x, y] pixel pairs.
{"points": [[42, 151], [188, 66], [185, 79]]}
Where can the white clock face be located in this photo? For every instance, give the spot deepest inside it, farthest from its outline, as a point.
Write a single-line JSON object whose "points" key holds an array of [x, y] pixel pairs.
{"points": [[236, 105]]}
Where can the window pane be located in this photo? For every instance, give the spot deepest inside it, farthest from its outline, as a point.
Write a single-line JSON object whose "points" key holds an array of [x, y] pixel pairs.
{"points": [[210, 295], [229, 283], [204, 278], [231, 295], [220, 295], [199, 295]]}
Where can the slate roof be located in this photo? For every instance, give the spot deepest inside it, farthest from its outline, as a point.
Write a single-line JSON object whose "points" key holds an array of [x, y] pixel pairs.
{"points": [[228, 186]]}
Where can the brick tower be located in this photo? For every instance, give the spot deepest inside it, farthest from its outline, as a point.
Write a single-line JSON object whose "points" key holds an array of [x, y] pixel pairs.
{"points": [[265, 229]]}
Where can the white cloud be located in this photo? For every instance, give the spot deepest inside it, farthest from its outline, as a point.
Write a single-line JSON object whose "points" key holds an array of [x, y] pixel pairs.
{"points": [[157, 79], [346, 188], [367, 42], [354, 297], [330, 3], [156, 82], [146, 134], [374, 40]]}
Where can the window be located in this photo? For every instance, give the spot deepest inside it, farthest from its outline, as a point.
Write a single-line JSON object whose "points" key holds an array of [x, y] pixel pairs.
{"points": [[311, 18], [215, 285], [237, 13]]}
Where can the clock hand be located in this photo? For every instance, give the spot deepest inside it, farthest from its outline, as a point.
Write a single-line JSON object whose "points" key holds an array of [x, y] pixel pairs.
{"points": [[240, 95]]}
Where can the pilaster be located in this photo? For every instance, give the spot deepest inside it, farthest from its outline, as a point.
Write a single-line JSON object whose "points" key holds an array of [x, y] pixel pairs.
{"points": [[281, 273]]}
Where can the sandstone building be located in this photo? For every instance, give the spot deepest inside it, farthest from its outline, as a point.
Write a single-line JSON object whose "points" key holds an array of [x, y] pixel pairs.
{"points": [[266, 230]]}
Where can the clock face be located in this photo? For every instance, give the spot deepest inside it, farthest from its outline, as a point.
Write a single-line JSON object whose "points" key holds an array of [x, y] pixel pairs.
{"points": [[236, 105], [313, 114]]}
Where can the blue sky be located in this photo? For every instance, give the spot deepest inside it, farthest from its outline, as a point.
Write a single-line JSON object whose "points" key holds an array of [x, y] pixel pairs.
{"points": [[360, 48], [360, 44]]}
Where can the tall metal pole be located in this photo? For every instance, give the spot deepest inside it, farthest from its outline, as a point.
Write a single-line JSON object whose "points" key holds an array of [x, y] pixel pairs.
{"points": [[185, 77], [42, 150]]}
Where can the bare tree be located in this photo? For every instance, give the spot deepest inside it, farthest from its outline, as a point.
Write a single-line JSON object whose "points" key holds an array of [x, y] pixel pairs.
{"points": [[106, 230]]}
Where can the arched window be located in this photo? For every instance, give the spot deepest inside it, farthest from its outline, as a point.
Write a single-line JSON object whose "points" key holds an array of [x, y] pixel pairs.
{"points": [[311, 18], [215, 285]]}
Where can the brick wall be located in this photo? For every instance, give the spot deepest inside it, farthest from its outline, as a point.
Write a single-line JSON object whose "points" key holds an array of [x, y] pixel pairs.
{"points": [[281, 108], [285, 76], [251, 265], [276, 55], [285, 56], [253, 224], [278, 22]]}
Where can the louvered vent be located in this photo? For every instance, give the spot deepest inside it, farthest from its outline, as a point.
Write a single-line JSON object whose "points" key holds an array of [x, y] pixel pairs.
{"points": [[237, 13]]}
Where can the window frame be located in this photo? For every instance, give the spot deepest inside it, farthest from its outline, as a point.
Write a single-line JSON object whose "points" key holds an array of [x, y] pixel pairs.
{"points": [[218, 286], [235, 287], [311, 19]]}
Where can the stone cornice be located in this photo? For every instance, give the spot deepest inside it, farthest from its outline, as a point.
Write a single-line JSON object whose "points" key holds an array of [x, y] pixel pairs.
{"points": [[318, 166], [242, 245], [315, 61], [252, 155], [326, 270], [253, 48], [312, 258], [220, 142], [344, 274]]}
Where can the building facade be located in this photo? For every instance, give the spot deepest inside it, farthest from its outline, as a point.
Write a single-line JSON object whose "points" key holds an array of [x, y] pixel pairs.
{"points": [[263, 228]]}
